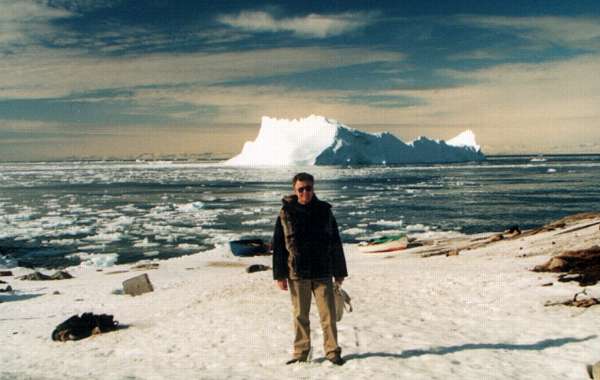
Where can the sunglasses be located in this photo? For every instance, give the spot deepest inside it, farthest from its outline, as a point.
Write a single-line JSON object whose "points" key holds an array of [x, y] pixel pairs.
{"points": [[305, 188]]}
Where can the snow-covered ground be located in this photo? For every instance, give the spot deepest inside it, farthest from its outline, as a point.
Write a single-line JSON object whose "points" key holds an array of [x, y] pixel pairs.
{"points": [[478, 315]]}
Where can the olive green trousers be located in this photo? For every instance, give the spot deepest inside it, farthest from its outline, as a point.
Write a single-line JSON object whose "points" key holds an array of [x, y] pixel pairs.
{"points": [[301, 292]]}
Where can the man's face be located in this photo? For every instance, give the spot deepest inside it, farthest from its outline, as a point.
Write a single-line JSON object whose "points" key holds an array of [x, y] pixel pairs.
{"points": [[304, 191]]}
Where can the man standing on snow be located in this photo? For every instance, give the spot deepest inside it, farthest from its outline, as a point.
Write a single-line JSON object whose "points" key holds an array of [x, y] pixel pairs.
{"points": [[307, 253]]}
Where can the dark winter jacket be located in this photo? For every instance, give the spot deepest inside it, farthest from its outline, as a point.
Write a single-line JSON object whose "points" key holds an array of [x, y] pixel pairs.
{"points": [[306, 242]]}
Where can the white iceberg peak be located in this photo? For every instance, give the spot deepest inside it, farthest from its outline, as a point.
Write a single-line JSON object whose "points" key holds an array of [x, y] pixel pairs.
{"points": [[317, 140], [464, 139], [284, 142]]}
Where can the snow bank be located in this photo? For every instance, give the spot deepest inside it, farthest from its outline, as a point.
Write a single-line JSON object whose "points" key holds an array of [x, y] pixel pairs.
{"points": [[316, 140]]}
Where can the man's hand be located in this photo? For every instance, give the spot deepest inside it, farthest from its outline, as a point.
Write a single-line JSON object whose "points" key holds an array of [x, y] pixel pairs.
{"points": [[339, 280], [282, 284]]}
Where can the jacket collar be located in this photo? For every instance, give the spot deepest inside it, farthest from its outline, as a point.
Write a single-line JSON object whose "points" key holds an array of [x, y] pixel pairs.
{"points": [[292, 201]]}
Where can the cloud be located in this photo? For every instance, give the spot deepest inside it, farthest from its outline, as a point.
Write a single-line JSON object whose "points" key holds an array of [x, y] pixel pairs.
{"points": [[518, 107], [22, 21], [575, 32], [481, 55], [310, 26], [86, 5], [51, 73]]}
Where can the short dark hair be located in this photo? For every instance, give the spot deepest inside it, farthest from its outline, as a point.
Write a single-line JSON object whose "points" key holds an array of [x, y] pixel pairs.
{"points": [[304, 177]]}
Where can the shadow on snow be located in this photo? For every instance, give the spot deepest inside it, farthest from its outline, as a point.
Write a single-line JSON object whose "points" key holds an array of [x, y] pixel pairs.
{"points": [[17, 297], [541, 345]]}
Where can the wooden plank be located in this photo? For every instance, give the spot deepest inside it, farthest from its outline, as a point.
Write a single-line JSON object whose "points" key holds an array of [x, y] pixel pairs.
{"points": [[137, 285]]}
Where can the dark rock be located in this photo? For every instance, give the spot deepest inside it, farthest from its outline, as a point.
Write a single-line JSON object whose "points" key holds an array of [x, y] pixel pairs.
{"points": [[569, 277], [512, 232], [38, 276], [257, 268], [61, 275], [145, 266], [8, 289], [35, 276], [582, 266], [5, 273]]}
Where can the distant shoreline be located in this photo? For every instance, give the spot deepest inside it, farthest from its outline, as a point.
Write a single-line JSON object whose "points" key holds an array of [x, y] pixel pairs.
{"points": [[213, 159]]}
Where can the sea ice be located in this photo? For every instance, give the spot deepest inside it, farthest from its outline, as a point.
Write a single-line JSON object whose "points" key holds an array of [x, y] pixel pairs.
{"points": [[187, 246], [191, 207], [7, 262], [257, 222], [103, 260], [353, 231], [145, 244], [388, 223], [104, 236]]}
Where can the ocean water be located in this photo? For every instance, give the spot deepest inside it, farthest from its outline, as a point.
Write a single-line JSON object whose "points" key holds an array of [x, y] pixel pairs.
{"points": [[65, 213]]}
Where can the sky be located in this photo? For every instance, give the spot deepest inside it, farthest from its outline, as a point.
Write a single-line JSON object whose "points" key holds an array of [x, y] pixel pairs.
{"points": [[118, 78]]}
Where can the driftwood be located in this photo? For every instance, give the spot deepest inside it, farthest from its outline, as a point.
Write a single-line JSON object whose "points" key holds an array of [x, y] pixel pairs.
{"points": [[454, 246], [582, 266], [145, 266], [563, 222], [444, 248], [579, 228], [587, 302]]}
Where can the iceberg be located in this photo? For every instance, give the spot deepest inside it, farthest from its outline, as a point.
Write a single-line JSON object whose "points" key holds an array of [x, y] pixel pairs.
{"points": [[317, 140]]}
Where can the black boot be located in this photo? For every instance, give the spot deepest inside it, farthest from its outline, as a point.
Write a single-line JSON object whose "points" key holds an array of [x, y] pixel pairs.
{"points": [[337, 360]]}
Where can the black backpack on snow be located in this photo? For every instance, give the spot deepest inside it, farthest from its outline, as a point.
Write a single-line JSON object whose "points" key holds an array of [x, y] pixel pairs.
{"points": [[76, 327]]}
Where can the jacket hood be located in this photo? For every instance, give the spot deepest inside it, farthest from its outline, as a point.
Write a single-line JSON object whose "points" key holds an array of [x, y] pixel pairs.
{"points": [[289, 199]]}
